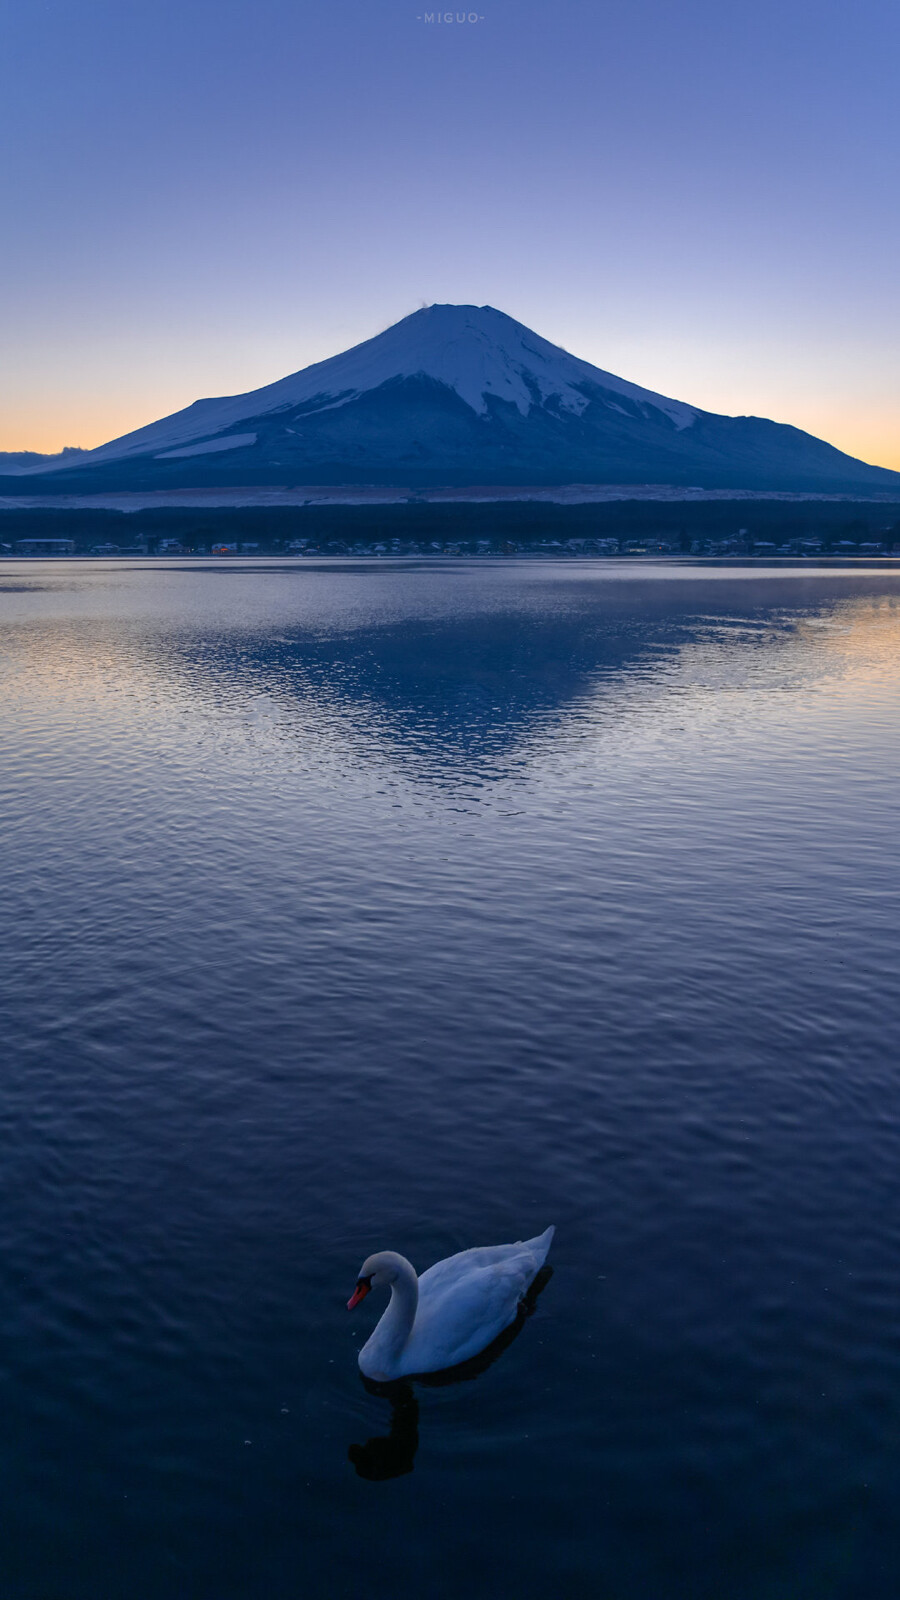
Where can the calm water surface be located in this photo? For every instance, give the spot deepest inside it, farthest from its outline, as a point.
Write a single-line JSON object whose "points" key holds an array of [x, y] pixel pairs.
{"points": [[418, 907]]}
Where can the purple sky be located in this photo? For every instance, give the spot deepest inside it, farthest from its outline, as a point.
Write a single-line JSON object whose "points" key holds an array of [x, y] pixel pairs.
{"points": [[199, 197]]}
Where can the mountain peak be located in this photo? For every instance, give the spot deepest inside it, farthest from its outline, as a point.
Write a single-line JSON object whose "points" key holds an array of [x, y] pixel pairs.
{"points": [[480, 353]]}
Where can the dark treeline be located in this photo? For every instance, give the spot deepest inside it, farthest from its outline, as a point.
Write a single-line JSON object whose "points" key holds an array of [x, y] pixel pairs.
{"points": [[680, 524]]}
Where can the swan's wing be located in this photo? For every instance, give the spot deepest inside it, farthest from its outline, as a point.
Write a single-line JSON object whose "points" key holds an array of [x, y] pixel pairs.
{"points": [[464, 1303]]}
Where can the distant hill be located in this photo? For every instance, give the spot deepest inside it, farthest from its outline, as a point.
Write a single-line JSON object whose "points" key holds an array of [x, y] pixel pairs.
{"points": [[454, 395], [12, 460]]}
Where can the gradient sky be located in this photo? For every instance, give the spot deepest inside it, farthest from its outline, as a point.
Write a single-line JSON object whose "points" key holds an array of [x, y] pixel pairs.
{"points": [[200, 196]]}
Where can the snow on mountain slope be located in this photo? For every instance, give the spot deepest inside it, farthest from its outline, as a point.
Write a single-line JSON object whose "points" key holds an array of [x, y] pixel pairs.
{"points": [[232, 441], [474, 350]]}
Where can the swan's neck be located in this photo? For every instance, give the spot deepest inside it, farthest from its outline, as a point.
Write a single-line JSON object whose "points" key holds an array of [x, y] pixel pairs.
{"points": [[396, 1325]]}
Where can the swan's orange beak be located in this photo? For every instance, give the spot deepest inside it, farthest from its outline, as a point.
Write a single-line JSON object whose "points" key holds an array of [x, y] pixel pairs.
{"points": [[359, 1293]]}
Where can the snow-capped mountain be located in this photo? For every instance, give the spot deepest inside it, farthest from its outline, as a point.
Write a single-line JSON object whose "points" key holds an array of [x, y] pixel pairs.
{"points": [[478, 353], [459, 395]]}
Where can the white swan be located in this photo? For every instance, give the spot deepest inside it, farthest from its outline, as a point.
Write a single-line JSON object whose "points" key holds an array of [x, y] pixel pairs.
{"points": [[453, 1312]]}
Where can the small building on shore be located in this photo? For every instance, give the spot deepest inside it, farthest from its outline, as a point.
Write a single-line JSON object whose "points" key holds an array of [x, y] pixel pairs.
{"points": [[45, 547]]}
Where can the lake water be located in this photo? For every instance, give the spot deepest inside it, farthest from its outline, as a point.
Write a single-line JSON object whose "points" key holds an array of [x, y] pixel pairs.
{"points": [[416, 907]]}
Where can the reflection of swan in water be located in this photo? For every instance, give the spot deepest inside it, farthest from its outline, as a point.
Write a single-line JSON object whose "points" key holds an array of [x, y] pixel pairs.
{"points": [[392, 1455]]}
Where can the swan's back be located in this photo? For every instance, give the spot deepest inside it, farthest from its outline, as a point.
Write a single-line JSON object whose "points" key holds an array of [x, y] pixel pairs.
{"points": [[526, 1256]]}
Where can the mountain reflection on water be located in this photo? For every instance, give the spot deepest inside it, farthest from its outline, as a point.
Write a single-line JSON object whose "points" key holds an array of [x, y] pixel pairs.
{"points": [[410, 908], [475, 693]]}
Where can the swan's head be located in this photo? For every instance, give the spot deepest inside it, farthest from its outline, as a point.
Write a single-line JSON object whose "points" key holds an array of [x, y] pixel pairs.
{"points": [[381, 1270]]}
